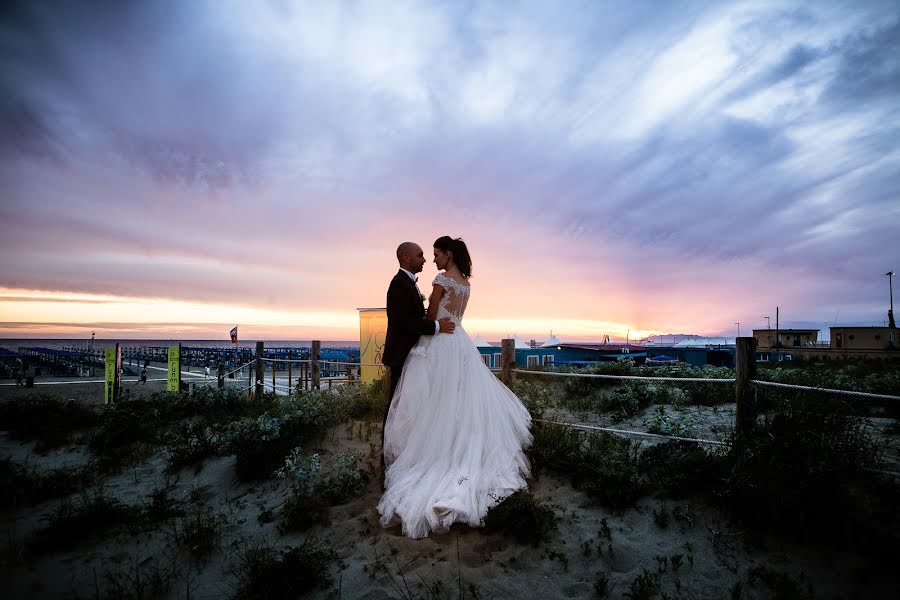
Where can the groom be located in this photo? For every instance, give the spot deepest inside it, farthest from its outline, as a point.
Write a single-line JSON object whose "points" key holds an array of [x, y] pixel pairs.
{"points": [[406, 317]]}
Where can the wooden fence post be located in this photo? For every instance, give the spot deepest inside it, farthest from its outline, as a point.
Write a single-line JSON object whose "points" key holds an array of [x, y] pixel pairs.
{"points": [[314, 363], [290, 357], [220, 375], [273, 377], [507, 361], [260, 370], [744, 391]]}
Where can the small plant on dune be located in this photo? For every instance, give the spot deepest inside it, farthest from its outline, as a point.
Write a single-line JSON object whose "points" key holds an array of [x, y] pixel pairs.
{"points": [[665, 423], [601, 585], [191, 444], [265, 572], [537, 396], [632, 397], [364, 401], [303, 507], [163, 504], [140, 580], [199, 533], [554, 446], [346, 479], [643, 587], [521, 515], [679, 468], [603, 465], [261, 444], [661, 517], [609, 470], [125, 428], [312, 494]]}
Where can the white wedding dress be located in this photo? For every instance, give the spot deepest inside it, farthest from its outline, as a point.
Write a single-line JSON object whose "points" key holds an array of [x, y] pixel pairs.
{"points": [[455, 435]]}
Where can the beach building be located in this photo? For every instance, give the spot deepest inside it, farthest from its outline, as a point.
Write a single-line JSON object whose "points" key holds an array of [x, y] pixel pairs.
{"points": [[845, 343], [864, 338], [785, 338]]}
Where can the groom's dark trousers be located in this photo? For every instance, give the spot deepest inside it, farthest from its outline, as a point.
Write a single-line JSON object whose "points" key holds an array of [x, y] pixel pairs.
{"points": [[406, 322]]}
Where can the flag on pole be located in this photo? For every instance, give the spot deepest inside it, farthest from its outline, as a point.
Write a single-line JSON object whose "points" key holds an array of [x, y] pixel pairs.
{"points": [[234, 335]]}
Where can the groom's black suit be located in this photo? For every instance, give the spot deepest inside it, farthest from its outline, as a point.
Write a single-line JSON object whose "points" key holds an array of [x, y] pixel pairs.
{"points": [[406, 322]]}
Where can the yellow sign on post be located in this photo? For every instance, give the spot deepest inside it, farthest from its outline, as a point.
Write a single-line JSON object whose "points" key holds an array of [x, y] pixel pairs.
{"points": [[372, 331], [111, 389], [174, 383]]}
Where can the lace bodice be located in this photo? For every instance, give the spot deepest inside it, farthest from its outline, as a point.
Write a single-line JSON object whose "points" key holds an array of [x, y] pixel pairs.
{"points": [[453, 301]]}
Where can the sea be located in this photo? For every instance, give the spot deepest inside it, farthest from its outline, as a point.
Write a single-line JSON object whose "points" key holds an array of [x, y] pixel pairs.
{"points": [[13, 344]]}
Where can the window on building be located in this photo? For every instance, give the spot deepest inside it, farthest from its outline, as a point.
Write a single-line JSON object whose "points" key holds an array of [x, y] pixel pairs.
{"points": [[851, 336], [532, 361], [839, 340], [487, 359], [877, 336], [497, 360], [548, 359]]}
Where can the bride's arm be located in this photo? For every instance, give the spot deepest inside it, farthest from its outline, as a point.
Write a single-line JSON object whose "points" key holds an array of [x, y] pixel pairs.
{"points": [[436, 293]]}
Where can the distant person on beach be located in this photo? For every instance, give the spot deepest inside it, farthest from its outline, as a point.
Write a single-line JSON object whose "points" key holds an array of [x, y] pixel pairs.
{"points": [[144, 375], [206, 372], [454, 435]]}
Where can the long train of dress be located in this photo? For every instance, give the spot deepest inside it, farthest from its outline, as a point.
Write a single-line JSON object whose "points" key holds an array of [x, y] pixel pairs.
{"points": [[454, 438]]}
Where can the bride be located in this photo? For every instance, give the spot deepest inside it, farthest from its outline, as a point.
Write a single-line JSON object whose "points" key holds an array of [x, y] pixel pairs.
{"points": [[454, 436]]}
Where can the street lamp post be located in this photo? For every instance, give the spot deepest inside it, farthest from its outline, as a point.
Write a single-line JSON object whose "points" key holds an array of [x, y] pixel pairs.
{"points": [[739, 329], [890, 276]]}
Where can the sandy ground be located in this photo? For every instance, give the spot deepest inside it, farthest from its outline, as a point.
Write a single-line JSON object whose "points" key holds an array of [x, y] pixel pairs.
{"points": [[381, 563]]}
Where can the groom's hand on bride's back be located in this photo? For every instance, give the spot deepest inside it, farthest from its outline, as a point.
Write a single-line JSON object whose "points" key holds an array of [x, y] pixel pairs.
{"points": [[447, 326]]}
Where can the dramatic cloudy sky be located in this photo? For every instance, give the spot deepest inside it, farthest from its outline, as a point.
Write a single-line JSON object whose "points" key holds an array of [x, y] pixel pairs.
{"points": [[172, 168]]}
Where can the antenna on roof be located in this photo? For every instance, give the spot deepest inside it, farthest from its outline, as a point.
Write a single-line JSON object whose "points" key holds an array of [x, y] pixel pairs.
{"points": [[838, 312]]}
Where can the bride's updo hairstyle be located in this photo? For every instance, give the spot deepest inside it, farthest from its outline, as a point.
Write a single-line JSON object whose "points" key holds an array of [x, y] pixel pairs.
{"points": [[459, 251]]}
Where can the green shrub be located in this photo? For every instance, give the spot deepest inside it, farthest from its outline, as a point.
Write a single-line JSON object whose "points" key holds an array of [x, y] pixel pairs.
{"points": [[587, 386], [312, 494], [522, 516], [346, 480], [199, 533], [21, 485], [603, 465], [364, 401], [537, 396], [267, 573], [301, 511], [48, 421], [800, 467], [259, 445], [192, 442], [665, 423], [73, 522], [680, 469], [610, 470], [554, 446]]}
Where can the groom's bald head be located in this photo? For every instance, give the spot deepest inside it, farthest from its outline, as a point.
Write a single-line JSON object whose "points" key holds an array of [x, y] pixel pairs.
{"points": [[410, 257]]}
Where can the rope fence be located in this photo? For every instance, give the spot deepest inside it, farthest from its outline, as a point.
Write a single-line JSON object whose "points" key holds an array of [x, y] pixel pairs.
{"points": [[623, 377], [825, 390], [632, 433]]}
